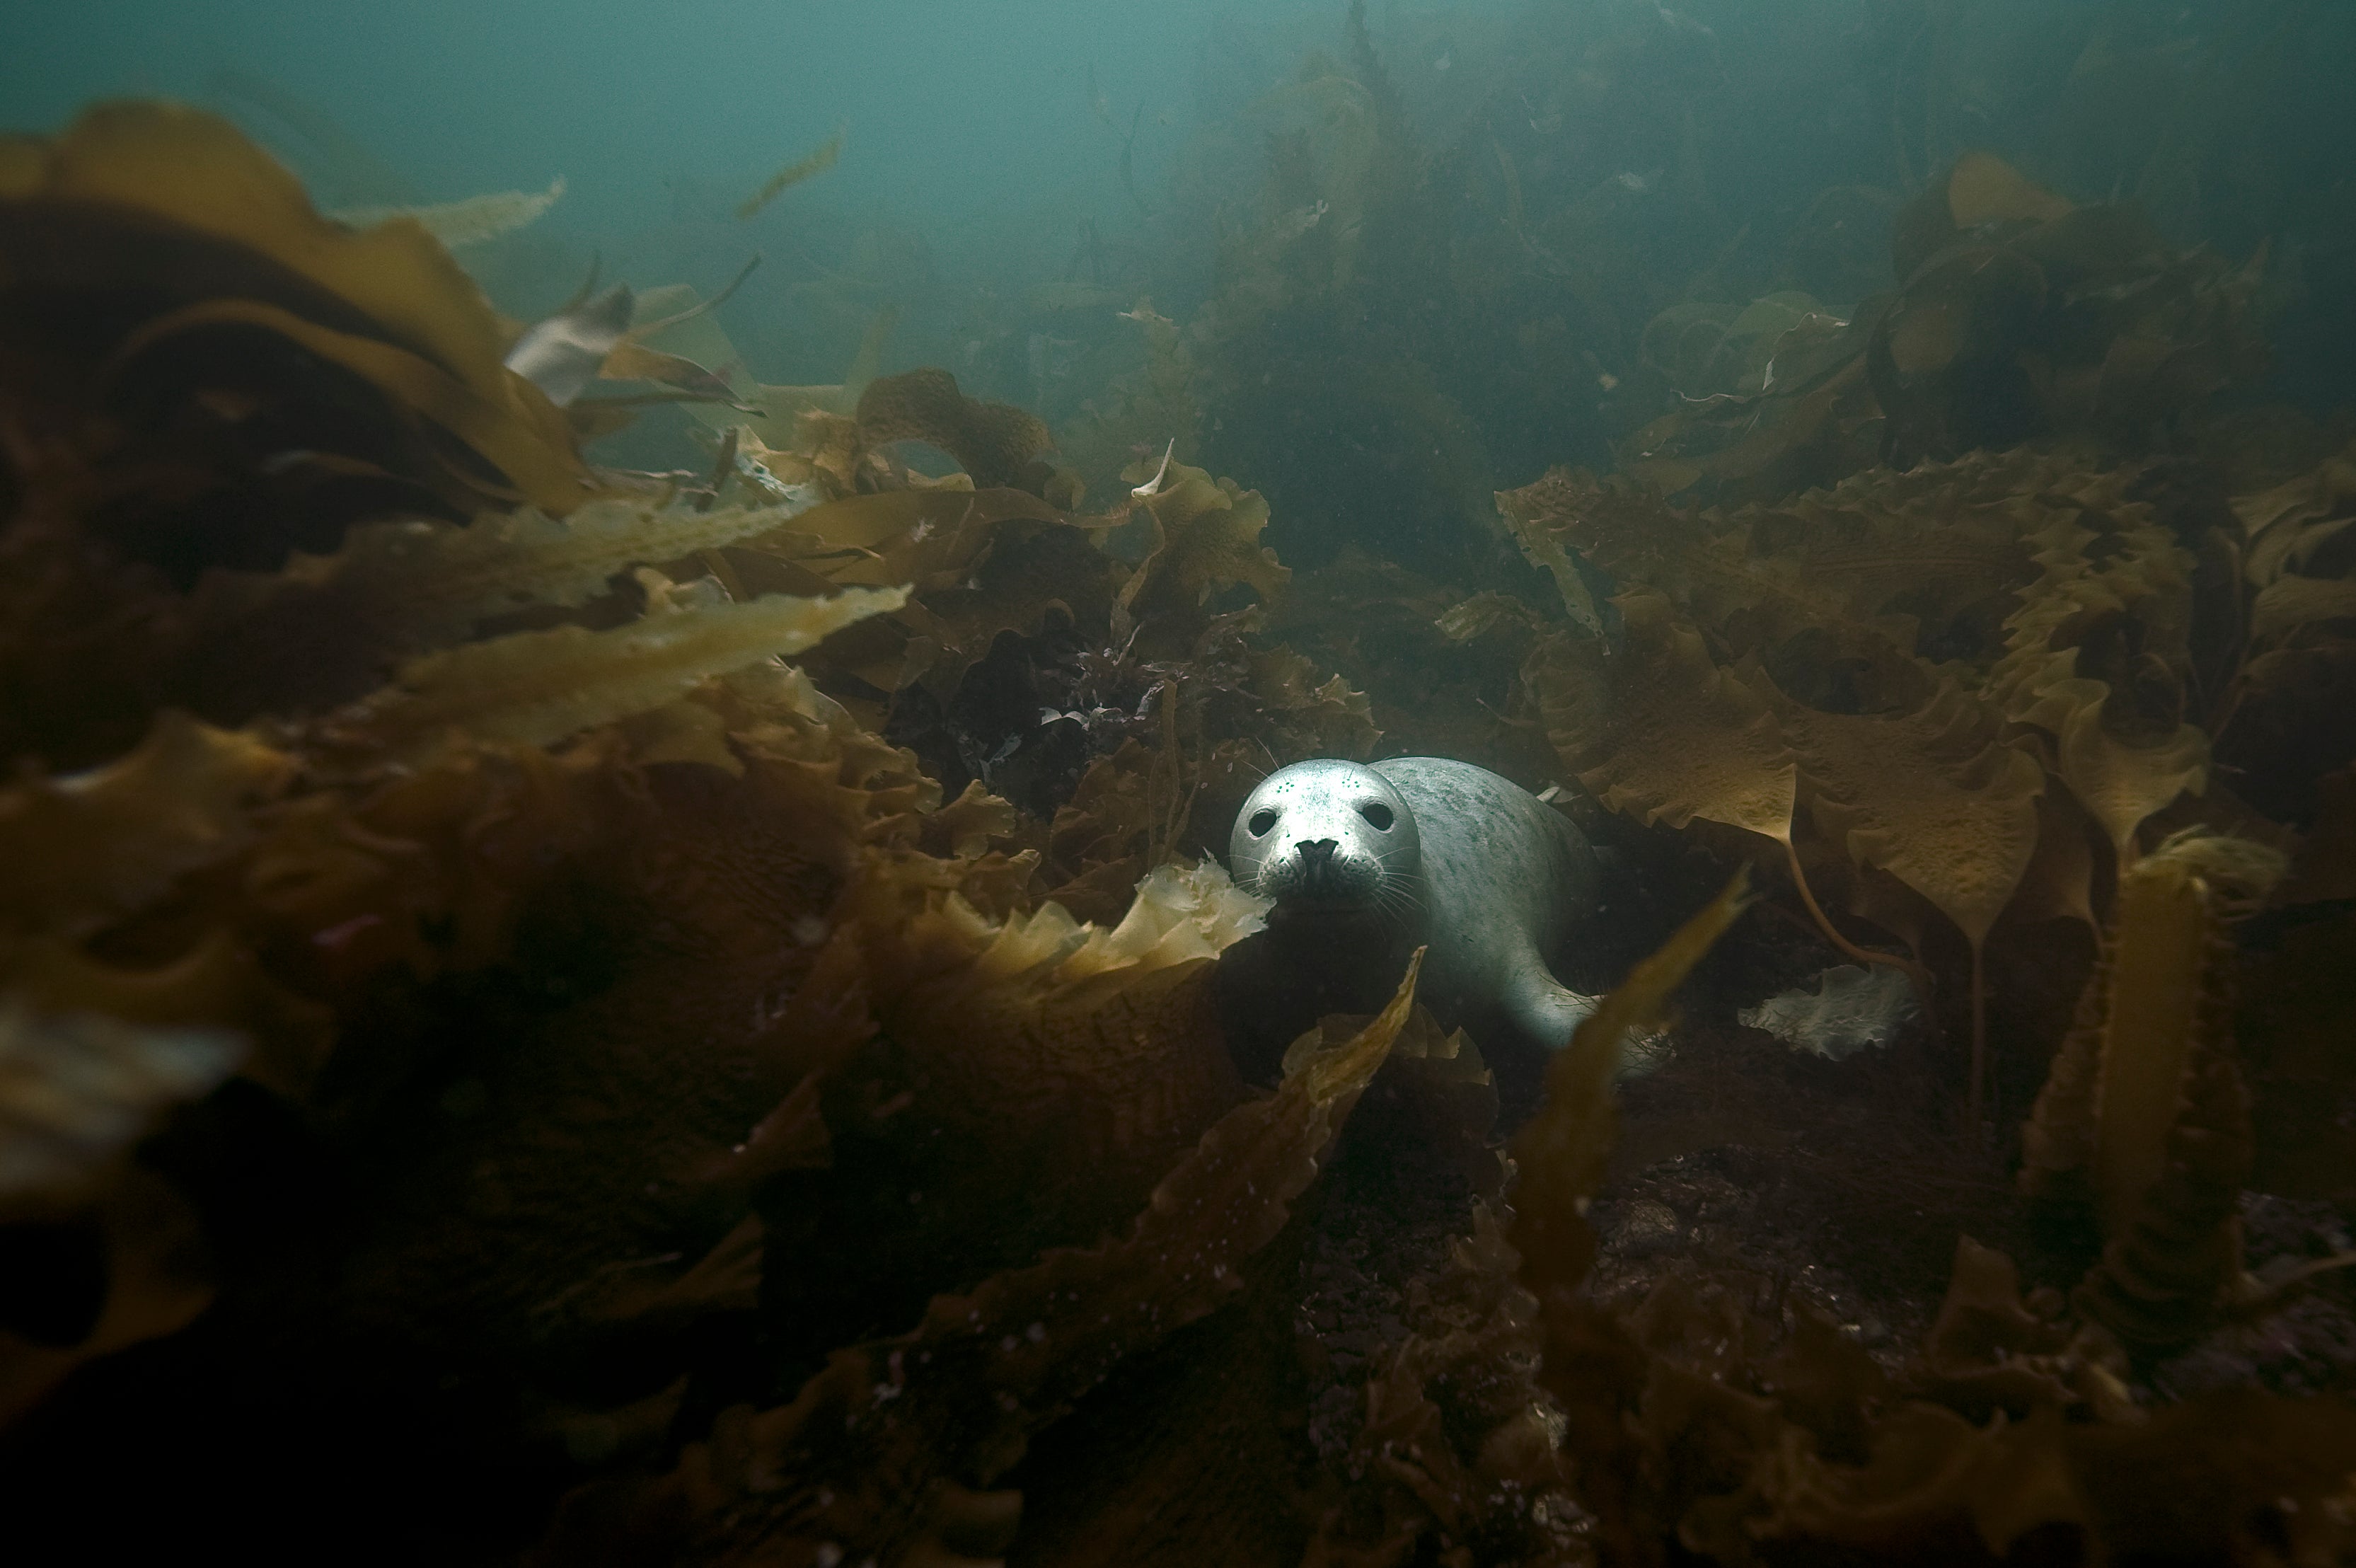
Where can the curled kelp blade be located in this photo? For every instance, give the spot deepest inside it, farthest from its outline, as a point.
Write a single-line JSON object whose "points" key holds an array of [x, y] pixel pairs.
{"points": [[223, 229], [522, 453], [461, 223]]}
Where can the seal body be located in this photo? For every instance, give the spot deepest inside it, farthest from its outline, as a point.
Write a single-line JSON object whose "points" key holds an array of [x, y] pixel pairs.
{"points": [[1367, 863]]}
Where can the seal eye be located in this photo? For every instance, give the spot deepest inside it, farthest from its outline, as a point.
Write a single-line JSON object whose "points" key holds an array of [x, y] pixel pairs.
{"points": [[1377, 813], [1262, 820]]}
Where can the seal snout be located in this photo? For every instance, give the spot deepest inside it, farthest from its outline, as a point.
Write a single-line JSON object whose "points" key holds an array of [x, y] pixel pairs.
{"points": [[1319, 876], [1321, 872]]}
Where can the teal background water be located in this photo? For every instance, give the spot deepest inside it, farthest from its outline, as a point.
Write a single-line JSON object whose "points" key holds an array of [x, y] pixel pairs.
{"points": [[1694, 147]]}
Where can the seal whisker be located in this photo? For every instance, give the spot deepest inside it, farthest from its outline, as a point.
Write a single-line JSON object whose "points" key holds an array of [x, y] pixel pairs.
{"points": [[1405, 885], [1397, 901]]}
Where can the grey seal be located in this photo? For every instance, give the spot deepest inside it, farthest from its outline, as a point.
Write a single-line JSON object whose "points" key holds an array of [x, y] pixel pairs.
{"points": [[1367, 863]]}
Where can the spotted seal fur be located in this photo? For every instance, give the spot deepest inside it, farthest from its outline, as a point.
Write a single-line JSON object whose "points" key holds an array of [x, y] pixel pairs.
{"points": [[1367, 862]]}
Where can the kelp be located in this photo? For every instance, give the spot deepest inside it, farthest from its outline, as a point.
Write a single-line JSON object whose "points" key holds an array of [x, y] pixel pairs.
{"points": [[116, 1256], [609, 337], [992, 442], [1755, 1440], [1205, 537], [535, 687], [2016, 315], [207, 375], [723, 971], [816, 162], [458, 224], [1162, 396], [946, 1409], [1769, 674], [243, 252], [2146, 1097], [2278, 722]]}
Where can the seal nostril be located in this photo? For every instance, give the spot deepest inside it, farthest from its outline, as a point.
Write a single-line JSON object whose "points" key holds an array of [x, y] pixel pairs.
{"points": [[1375, 813], [1261, 820], [1317, 852]]}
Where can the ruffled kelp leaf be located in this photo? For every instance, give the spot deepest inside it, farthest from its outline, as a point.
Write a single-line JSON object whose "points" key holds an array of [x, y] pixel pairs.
{"points": [[1490, 614], [534, 687], [1099, 838], [877, 1453], [2071, 609], [213, 981], [100, 1255], [1657, 730], [1883, 557], [1022, 1054], [1456, 1445], [1523, 510], [89, 848], [993, 442], [1160, 403], [544, 470], [2064, 610], [2283, 722], [1705, 347], [1306, 716], [2033, 1432], [1987, 1353], [2095, 659], [2283, 528], [1934, 796], [329, 628], [1205, 537], [612, 1129], [212, 376], [979, 564], [2146, 1098]]}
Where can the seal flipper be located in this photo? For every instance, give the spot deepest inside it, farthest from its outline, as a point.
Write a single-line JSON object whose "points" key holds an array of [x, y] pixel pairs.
{"points": [[1541, 1006], [1547, 1012]]}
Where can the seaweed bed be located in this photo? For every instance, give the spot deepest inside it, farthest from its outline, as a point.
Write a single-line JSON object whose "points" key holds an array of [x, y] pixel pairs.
{"points": [[552, 1012]]}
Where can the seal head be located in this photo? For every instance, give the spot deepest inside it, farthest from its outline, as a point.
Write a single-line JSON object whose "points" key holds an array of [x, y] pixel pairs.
{"points": [[1331, 837]]}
